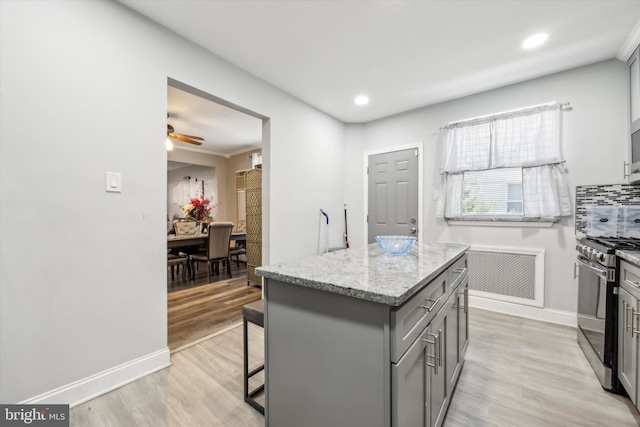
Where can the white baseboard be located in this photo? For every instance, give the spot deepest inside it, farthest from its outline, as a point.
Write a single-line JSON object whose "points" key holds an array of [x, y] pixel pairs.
{"points": [[80, 391], [530, 312]]}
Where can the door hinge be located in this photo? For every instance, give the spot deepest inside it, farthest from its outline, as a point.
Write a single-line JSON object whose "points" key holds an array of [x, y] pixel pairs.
{"points": [[367, 218], [616, 291], [416, 153], [367, 170]]}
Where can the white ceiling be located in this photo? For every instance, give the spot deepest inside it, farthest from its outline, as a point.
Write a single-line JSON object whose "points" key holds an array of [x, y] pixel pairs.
{"points": [[402, 54], [226, 132]]}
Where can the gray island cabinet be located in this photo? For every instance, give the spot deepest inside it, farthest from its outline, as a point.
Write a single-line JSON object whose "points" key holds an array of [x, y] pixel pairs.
{"points": [[359, 338]]}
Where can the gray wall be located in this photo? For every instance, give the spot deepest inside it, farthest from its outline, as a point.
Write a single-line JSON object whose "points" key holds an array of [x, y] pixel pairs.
{"points": [[594, 138], [82, 271]]}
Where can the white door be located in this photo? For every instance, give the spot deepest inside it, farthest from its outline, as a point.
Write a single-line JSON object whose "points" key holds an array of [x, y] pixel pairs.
{"points": [[393, 194]]}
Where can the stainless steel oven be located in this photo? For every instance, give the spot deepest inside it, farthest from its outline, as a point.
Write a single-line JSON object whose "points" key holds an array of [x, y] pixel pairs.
{"points": [[597, 306], [598, 268]]}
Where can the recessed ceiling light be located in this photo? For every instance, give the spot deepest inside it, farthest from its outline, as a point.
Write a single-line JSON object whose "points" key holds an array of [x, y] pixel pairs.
{"points": [[361, 100], [535, 40]]}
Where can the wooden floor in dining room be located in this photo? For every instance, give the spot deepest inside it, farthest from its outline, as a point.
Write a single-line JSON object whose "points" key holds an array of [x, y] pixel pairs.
{"points": [[198, 309], [518, 372]]}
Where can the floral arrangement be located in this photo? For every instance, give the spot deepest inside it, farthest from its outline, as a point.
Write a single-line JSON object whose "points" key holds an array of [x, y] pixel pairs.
{"points": [[198, 210]]}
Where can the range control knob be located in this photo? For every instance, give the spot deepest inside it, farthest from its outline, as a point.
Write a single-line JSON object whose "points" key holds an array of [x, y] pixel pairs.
{"points": [[601, 258]]}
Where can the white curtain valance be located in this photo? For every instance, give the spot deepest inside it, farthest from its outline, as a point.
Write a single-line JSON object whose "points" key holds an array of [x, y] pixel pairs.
{"points": [[520, 141], [468, 148], [524, 141]]}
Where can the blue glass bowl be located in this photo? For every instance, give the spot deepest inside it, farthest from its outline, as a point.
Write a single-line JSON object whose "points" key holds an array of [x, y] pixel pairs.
{"points": [[396, 245]]}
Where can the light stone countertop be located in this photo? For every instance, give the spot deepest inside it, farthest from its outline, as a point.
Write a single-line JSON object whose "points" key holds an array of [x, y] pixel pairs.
{"points": [[631, 256], [367, 273]]}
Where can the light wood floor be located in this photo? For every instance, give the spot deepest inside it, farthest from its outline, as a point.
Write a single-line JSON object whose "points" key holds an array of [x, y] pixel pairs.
{"points": [[518, 372], [200, 309], [207, 309], [521, 372], [202, 388]]}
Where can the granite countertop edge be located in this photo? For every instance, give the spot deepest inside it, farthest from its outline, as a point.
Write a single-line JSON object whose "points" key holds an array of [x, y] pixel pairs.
{"points": [[631, 256], [356, 293], [388, 298]]}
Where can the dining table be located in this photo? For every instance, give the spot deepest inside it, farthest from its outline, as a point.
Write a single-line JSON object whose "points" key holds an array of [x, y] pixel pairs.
{"points": [[177, 241], [186, 240]]}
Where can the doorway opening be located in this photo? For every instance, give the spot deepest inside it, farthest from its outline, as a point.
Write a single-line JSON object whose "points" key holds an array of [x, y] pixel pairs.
{"points": [[220, 141]]}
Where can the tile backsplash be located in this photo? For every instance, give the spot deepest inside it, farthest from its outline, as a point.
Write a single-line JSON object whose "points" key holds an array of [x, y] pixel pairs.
{"points": [[603, 195]]}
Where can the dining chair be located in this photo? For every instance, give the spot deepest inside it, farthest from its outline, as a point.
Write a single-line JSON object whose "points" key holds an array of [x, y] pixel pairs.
{"points": [[235, 251], [177, 261], [184, 228], [217, 246], [238, 247]]}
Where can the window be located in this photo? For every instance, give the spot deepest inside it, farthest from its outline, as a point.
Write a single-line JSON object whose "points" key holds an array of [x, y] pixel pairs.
{"points": [[514, 197], [491, 193], [506, 166]]}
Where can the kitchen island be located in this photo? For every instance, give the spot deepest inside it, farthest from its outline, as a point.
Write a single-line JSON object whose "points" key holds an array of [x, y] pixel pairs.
{"points": [[359, 338]]}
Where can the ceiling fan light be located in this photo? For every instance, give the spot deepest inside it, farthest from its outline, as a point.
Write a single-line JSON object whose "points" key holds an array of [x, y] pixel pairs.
{"points": [[169, 145]]}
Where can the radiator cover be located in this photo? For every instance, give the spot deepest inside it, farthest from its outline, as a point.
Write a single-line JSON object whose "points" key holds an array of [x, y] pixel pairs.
{"points": [[507, 274]]}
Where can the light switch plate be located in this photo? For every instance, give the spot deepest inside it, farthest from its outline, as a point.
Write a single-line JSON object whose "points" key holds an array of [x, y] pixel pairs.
{"points": [[114, 182]]}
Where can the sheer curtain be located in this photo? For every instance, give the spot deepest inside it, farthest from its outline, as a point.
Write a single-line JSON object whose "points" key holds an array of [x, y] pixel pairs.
{"points": [[528, 139], [545, 192], [467, 148]]}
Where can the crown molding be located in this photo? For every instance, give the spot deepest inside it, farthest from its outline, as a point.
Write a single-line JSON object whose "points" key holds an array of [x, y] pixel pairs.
{"points": [[199, 150], [630, 44]]}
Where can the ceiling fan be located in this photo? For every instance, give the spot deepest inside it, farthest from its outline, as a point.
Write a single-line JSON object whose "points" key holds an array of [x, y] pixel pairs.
{"points": [[195, 140]]}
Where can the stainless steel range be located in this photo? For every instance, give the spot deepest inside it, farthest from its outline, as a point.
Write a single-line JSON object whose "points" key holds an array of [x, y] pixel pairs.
{"points": [[598, 304]]}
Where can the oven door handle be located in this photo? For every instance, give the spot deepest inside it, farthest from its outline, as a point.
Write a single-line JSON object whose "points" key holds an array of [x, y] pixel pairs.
{"points": [[601, 273]]}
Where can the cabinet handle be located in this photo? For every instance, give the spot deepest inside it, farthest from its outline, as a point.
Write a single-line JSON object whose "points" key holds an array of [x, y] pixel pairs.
{"points": [[459, 270], [464, 303], [633, 329], [464, 292], [432, 365], [436, 344], [632, 283], [625, 168], [434, 303], [625, 308], [466, 299], [440, 339]]}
